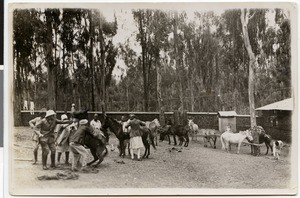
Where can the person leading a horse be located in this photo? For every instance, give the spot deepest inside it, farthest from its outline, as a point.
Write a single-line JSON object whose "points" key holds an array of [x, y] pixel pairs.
{"points": [[45, 130], [136, 142]]}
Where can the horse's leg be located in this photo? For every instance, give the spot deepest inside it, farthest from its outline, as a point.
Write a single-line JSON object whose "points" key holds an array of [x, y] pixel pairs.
{"points": [[93, 151], [175, 142], [148, 151], [210, 139], [100, 155], [121, 147], [238, 147], [267, 148], [187, 140], [215, 140], [128, 148]]}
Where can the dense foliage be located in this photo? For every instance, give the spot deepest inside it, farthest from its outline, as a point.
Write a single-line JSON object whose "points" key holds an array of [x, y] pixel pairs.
{"points": [[65, 56]]}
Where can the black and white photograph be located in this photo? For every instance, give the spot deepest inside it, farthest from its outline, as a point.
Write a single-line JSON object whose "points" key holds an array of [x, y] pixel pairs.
{"points": [[152, 98]]}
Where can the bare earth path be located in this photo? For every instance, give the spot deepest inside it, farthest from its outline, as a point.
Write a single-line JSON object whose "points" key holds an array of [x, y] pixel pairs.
{"points": [[194, 167]]}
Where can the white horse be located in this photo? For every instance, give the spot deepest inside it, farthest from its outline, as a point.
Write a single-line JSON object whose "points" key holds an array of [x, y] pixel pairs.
{"points": [[153, 126], [193, 128], [228, 138]]}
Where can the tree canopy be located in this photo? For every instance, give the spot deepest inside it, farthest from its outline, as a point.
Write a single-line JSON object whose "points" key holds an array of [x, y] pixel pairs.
{"points": [[65, 56]]}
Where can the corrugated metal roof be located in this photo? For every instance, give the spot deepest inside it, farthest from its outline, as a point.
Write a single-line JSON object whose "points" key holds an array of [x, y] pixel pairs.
{"points": [[227, 113], [285, 105]]}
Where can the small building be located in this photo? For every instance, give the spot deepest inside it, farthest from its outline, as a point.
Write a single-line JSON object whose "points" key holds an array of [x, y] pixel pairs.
{"points": [[276, 119], [227, 118]]}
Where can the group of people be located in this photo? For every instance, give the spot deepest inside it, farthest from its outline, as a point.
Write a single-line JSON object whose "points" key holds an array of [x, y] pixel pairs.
{"points": [[67, 135], [62, 136]]}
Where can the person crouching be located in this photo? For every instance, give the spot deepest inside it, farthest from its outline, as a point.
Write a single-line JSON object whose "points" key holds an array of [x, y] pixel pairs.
{"points": [[76, 145], [136, 142]]}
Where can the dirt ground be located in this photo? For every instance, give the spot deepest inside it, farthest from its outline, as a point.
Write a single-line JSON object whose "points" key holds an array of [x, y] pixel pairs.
{"points": [[193, 167]]}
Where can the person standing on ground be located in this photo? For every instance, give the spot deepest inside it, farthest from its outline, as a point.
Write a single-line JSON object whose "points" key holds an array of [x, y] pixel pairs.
{"points": [[62, 140], [95, 123], [35, 137], [136, 142], [45, 130]]}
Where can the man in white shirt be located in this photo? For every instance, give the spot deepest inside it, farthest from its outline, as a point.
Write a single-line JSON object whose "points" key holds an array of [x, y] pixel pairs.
{"points": [[95, 123]]}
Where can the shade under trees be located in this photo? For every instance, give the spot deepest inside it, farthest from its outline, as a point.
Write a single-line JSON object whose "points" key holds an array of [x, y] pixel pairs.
{"points": [[65, 56]]}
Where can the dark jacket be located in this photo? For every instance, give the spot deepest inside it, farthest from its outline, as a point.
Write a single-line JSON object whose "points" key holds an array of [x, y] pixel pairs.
{"points": [[135, 127], [78, 136]]}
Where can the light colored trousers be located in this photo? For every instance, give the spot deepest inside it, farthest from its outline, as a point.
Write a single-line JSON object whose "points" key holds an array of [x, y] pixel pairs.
{"points": [[78, 150]]}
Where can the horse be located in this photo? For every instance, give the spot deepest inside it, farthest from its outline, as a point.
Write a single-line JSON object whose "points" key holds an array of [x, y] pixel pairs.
{"points": [[235, 138], [179, 130], [209, 135], [117, 129], [193, 128], [262, 138], [97, 148], [153, 126]]}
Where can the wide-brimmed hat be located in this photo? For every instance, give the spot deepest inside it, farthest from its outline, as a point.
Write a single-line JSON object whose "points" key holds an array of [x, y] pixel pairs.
{"points": [[73, 105], [64, 117], [83, 121], [50, 113]]}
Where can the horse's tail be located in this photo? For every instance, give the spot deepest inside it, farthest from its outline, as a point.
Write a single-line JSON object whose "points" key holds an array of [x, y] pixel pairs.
{"points": [[222, 141]]}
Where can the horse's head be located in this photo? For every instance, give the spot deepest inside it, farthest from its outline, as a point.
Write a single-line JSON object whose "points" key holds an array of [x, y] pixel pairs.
{"points": [[248, 135], [156, 122], [190, 122], [113, 125], [163, 132]]}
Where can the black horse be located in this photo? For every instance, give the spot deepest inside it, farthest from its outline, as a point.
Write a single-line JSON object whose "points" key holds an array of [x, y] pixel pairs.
{"points": [[117, 129], [263, 137], [179, 130], [97, 148]]}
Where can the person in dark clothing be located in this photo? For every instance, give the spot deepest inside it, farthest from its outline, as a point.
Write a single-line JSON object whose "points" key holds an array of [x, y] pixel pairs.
{"points": [[76, 144]]}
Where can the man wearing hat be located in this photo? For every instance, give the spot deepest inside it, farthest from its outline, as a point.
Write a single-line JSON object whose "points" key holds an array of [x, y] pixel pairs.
{"points": [[35, 136], [136, 142], [77, 142], [62, 140], [45, 130]]}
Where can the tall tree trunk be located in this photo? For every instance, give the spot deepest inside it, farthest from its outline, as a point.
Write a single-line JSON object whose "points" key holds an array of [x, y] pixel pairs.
{"points": [[127, 97], [91, 59], [50, 63], [179, 63], [159, 95], [18, 95], [192, 92], [252, 64], [144, 62]]}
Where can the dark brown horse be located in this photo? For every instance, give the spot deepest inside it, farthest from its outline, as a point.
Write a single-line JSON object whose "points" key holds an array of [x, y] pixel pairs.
{"points": [[263, 138], [117, 129], [176, 130], [97, 148]]}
